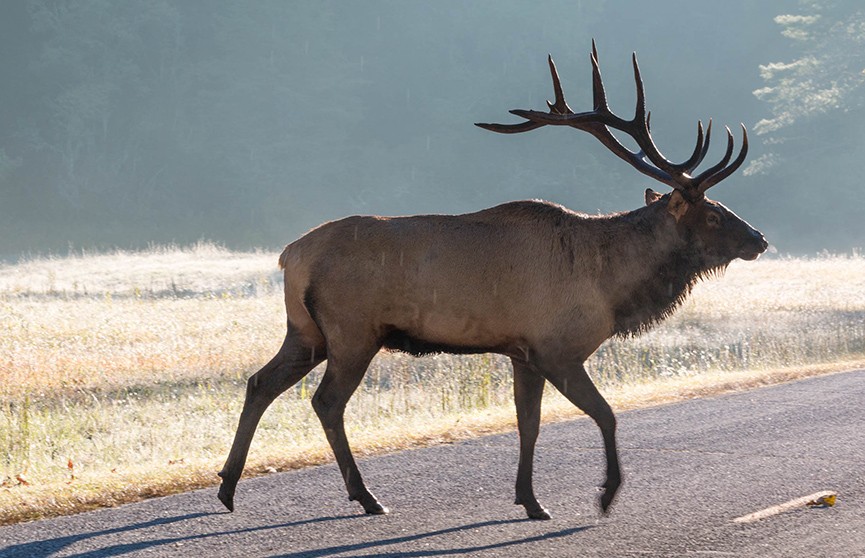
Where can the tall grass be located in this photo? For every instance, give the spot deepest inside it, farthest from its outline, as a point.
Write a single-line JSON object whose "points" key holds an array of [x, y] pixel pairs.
{"points": [[120, 367]]}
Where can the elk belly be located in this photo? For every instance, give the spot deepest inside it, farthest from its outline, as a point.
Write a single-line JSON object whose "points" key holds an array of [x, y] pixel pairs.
{"points": [[443, 330]]}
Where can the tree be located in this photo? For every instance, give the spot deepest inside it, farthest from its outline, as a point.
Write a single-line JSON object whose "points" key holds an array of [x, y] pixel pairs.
{"points": [[825, 80]]}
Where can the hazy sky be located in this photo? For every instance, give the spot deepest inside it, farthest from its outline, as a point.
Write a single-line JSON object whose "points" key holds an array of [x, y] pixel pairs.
{"points": [[128, 123]]}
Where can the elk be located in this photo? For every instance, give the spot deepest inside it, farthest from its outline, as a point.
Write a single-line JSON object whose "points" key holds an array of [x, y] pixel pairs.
{"points": [[530, 280]]}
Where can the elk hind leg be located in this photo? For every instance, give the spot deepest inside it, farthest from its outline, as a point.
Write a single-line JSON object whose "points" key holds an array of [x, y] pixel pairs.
{"points": [[341, 378], [574, 383], [293, 362], [528, 392]]}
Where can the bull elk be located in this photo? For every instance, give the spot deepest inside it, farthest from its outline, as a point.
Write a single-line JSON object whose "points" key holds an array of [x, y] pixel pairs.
{"points": [[531, 280]]}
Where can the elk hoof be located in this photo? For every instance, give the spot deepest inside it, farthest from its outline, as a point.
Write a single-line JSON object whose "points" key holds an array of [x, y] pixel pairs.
{"points": [[540, 513], [371, 504], [605, 501], [376, 509], [226, 496], [534, 510], [226, 490], [608, 494]]}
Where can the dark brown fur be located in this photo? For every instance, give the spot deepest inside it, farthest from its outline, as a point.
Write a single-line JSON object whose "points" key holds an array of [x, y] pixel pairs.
{"points": [[531, 280]]}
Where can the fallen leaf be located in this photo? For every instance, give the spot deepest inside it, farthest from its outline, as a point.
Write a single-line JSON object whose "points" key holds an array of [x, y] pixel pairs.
{"points": [[826, 501]]}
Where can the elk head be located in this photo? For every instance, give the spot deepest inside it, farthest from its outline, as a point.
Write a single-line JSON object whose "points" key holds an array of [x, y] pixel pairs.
{"points": [[712, 232]]}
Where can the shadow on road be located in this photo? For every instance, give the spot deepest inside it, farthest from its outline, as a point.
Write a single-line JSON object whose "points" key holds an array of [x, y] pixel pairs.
{"points": [[48, 547], [360, 548]]}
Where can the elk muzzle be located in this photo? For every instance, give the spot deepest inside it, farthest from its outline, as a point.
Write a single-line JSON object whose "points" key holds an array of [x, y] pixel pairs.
{"points": [[753, 245]]}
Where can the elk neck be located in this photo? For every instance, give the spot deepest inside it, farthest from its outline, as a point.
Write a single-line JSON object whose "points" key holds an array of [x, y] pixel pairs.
{"points": [[648, 266]]}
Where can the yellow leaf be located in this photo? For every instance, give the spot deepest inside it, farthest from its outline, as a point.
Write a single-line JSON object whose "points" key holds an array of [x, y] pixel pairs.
{"points": [[825, 501]]}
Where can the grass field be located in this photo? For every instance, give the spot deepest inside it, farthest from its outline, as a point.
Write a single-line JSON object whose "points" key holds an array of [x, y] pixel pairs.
{"points": [[122, 375]]}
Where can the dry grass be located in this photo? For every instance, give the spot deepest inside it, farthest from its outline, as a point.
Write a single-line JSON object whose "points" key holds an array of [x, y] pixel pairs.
{"points": [[122, 375]]}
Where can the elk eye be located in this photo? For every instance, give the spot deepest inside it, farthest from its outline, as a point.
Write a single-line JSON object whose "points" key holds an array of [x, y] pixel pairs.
{"points": [[713, 219]]}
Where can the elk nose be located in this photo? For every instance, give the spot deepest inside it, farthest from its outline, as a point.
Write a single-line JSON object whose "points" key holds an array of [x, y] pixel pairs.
{"points": [[759, 239], [752, 245]]}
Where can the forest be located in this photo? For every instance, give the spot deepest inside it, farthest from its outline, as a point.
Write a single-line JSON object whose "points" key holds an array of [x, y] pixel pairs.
{"points": [[139, 123]]}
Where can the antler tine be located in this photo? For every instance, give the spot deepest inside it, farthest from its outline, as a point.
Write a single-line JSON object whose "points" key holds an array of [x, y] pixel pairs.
{"points": [[693, 164], [713, 179], [510, 128], [560, 106], [599, 96], [721, 164], [640, 111], [700, 148], [698, 154], [639, 129]]}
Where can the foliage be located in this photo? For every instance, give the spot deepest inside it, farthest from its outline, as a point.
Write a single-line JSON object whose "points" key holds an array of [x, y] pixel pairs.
{"points": [[812, 140], [827, 75]]}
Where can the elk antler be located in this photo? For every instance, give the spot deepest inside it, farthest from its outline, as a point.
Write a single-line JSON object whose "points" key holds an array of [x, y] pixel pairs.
{"points": [[649, 159]]}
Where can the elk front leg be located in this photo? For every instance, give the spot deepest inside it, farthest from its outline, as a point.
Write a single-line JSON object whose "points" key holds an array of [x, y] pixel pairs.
{"points": [[337, 386], [528, 391], [574, 383], [285, 369]]}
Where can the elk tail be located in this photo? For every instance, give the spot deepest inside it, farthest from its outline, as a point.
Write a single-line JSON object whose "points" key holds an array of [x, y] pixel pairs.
{"points": [[283, 258]]}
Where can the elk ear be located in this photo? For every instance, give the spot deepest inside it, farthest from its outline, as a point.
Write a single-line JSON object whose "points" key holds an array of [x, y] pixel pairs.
{"points": [[678, 205], [652, 196]]}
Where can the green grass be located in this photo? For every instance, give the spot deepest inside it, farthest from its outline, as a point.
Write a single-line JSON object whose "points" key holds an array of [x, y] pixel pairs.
{"points": [[122, 375]]}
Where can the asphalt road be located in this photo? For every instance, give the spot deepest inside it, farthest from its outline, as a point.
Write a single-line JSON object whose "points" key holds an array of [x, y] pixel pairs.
{"points": [[690, 469]]}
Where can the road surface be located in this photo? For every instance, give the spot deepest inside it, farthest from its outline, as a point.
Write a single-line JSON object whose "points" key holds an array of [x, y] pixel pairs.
{"points": [[690, 468]]}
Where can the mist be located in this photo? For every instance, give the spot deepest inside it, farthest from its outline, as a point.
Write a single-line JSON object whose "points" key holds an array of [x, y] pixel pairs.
{"points": [[125, 124]]}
